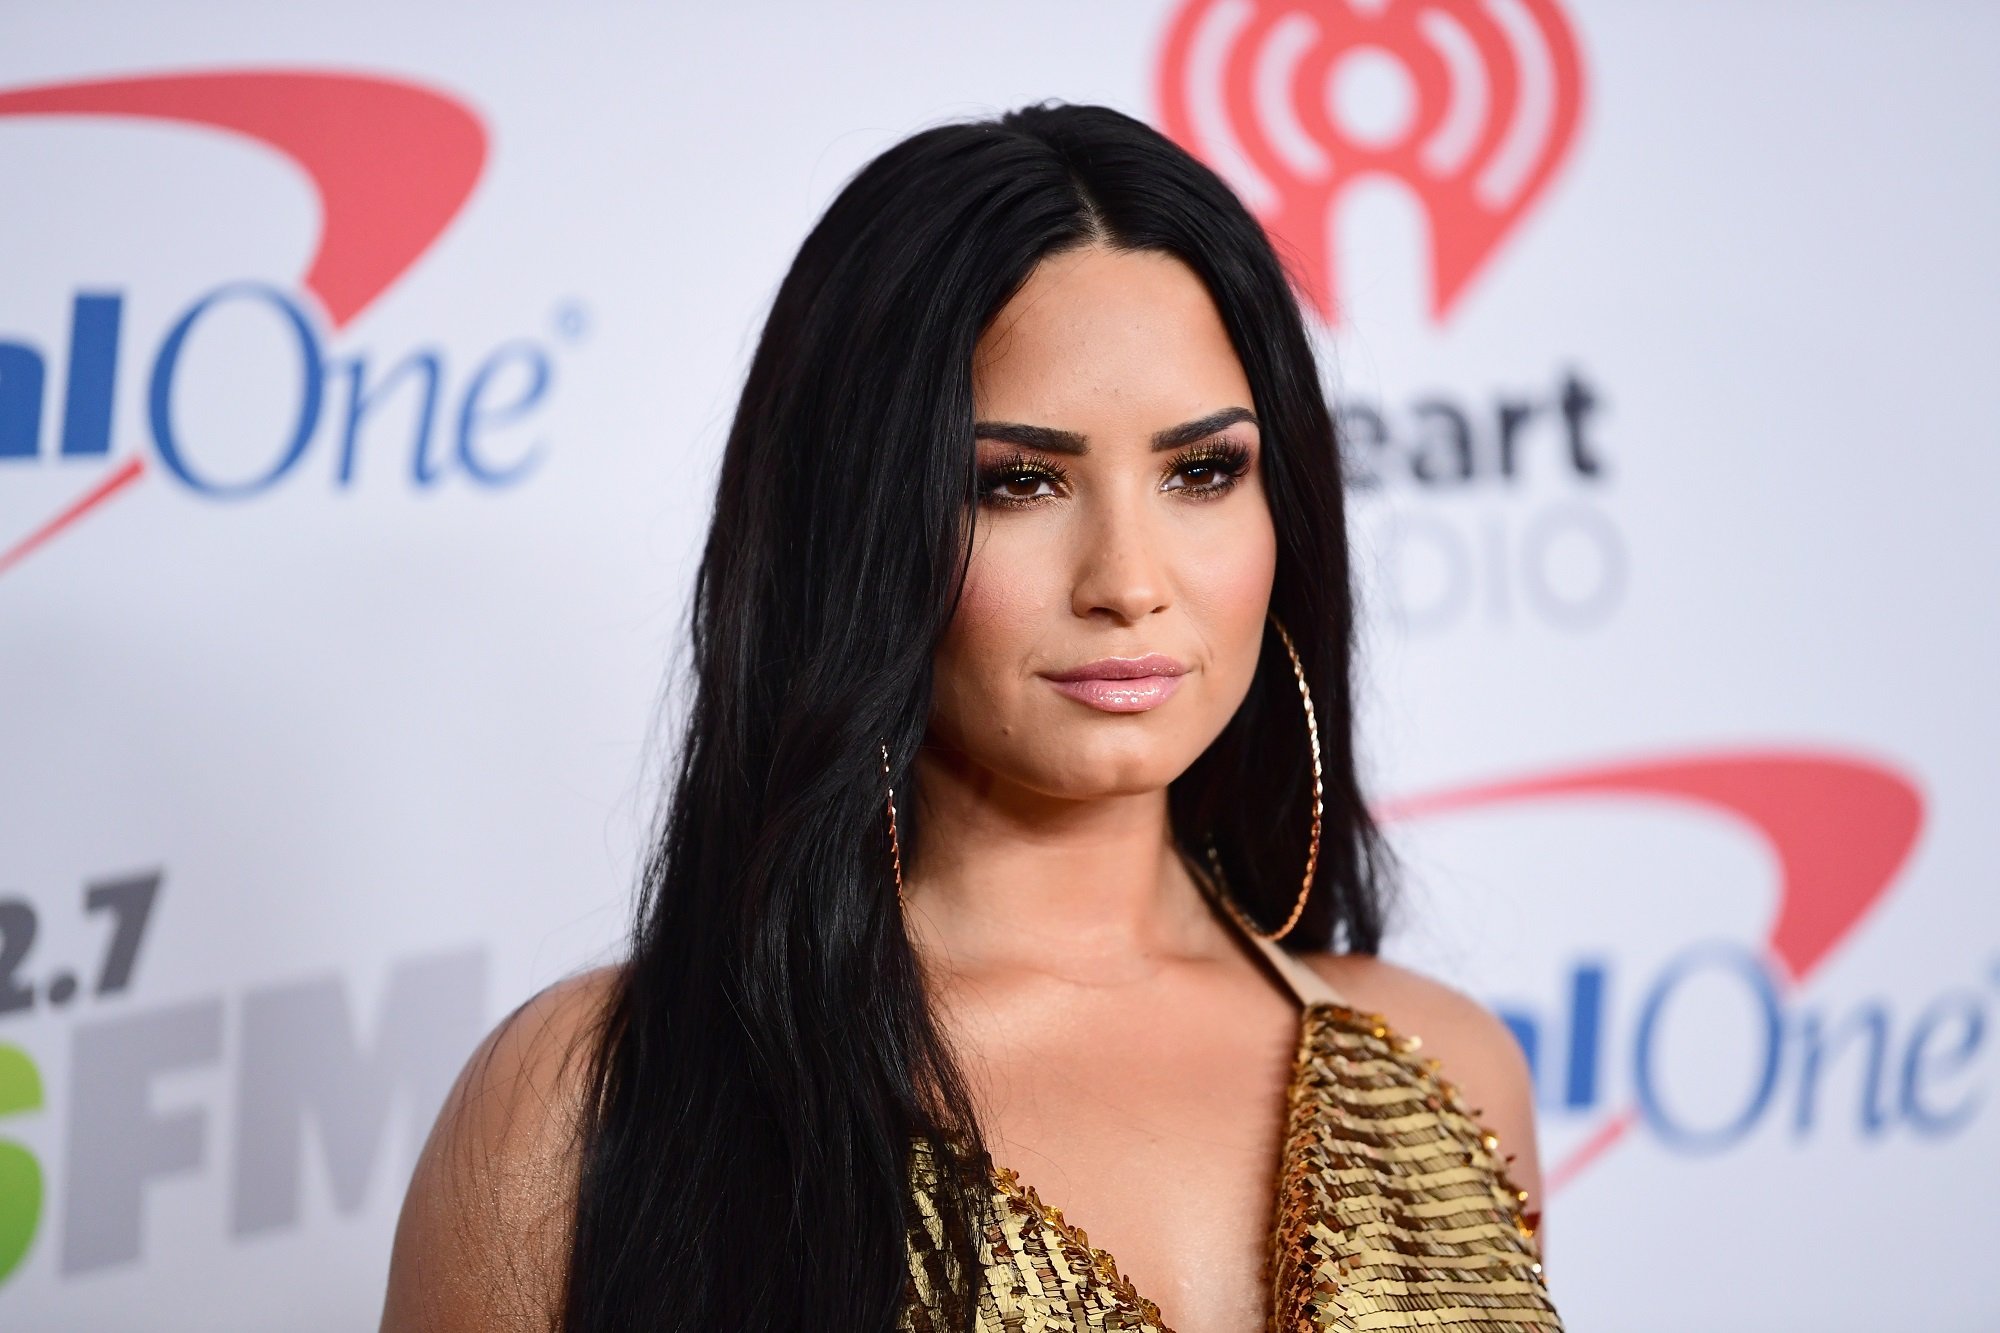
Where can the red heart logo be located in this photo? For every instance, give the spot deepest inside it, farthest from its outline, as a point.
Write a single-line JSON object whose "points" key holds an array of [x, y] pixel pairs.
{"points": [[1472, 107]]}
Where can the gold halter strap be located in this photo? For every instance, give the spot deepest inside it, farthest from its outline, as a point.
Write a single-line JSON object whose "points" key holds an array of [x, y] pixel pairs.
{"points": [[1306, 985]]}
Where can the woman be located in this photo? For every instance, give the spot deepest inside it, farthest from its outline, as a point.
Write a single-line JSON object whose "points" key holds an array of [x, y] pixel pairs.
{"points": [[1021, 733]]}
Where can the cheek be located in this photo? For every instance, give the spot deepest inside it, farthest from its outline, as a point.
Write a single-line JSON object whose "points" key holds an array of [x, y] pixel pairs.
{"points": [[1006, 597], [991, 638], [1230, 590], [1241, 571]]}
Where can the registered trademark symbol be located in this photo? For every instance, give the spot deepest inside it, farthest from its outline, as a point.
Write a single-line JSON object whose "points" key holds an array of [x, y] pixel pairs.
{"points": [[571, 321]]}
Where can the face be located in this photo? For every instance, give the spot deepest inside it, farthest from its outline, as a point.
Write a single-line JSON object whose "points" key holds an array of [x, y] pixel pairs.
{"points": [[1122, 516]]}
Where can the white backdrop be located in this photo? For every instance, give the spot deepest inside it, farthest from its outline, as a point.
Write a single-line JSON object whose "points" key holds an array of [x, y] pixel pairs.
{"points": [[1663, 334]]}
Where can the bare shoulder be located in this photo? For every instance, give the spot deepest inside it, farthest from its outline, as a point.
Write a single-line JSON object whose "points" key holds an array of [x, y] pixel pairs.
{"points": [[484, 1232], [1474, 1048]]}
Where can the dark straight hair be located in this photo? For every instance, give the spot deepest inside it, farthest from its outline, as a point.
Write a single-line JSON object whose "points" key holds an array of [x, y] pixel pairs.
{"points": [[767, 1056]]}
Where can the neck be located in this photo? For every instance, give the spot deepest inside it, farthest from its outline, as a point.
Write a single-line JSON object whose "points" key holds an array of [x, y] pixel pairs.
{"points": [[1089, 888]]}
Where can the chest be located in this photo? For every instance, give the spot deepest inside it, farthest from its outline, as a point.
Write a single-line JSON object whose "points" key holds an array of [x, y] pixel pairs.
{"points": [[1392, 1211], [1164, 1150]]}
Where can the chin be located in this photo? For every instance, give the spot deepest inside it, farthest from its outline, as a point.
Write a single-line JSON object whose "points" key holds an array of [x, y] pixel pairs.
{"points": [[1106, 765]]}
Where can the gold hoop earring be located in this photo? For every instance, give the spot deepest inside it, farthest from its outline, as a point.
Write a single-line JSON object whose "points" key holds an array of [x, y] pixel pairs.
{"points": [[895, 846], [1312, 848]]}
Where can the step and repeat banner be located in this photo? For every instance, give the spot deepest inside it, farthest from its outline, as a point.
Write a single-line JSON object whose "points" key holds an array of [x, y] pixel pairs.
{"points": [[363, 374]]}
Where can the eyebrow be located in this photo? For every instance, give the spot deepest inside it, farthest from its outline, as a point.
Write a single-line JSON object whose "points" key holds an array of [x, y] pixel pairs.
{"points": [[1056, 441]]}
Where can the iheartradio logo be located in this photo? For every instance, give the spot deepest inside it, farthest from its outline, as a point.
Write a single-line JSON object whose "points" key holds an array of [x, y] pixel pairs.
{"points": [[1470, 104]]}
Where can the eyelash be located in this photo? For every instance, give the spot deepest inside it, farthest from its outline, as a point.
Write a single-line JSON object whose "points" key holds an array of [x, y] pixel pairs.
{"points": [[1227, 459]]}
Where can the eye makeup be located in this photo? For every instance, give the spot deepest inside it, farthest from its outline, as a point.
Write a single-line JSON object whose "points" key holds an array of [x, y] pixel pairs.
{"points": [[1019, 468], [1223, 459], [1203, 471]]}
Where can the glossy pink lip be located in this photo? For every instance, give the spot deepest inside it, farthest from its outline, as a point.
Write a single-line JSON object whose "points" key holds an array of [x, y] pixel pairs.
{"points": [[1121, 684]]}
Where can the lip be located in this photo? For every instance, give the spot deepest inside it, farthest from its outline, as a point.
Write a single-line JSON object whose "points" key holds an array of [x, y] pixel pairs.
{"points": [[1122, 668], [1121, 684]]}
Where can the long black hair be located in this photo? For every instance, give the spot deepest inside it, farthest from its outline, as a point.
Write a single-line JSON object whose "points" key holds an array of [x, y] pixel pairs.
{"points": [[767, 1056]]}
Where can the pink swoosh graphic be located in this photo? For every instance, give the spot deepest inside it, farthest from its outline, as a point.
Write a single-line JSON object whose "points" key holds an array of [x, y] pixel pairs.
{"points": [[1839, 825], [393, 162]]}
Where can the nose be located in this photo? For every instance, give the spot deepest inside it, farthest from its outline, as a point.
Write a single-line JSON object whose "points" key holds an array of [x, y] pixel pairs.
{"points": [[1123, 564]]}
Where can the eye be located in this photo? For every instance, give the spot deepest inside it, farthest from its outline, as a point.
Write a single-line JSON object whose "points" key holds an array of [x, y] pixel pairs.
{"points": [[1209, 469], [1019, 480]]}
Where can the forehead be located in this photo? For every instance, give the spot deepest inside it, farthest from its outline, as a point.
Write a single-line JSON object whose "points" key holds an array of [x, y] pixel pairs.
{"points": [[1099, 332]]}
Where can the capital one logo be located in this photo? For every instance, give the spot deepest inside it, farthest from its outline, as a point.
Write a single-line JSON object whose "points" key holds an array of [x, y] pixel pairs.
{"points": [[1839, 828], [1471, 105], [392, 164]]}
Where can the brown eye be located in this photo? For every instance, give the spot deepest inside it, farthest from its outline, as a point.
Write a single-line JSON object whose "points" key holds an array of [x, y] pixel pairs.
{"points": [[1019, 481], [1021, 485], [1209, 469]]}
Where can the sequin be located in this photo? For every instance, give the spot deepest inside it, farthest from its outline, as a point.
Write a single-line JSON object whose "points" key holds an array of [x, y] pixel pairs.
{"points": [[1394, 1211]]}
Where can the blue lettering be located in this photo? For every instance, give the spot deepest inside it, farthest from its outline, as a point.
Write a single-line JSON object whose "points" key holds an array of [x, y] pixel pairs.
{"points": [[160, 396], [93, 366], [1586, 1043], [362, 401], [505, 389], [1765, 994], [1815, 1048], [1922, 1117], [20, 401], [476, 414]]}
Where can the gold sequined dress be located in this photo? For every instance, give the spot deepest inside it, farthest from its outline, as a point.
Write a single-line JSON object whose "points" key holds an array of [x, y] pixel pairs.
{"points": [[1394, 1209]]}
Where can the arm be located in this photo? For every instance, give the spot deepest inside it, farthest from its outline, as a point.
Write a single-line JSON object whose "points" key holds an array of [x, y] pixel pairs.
{"points": [[483, 1239]]}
